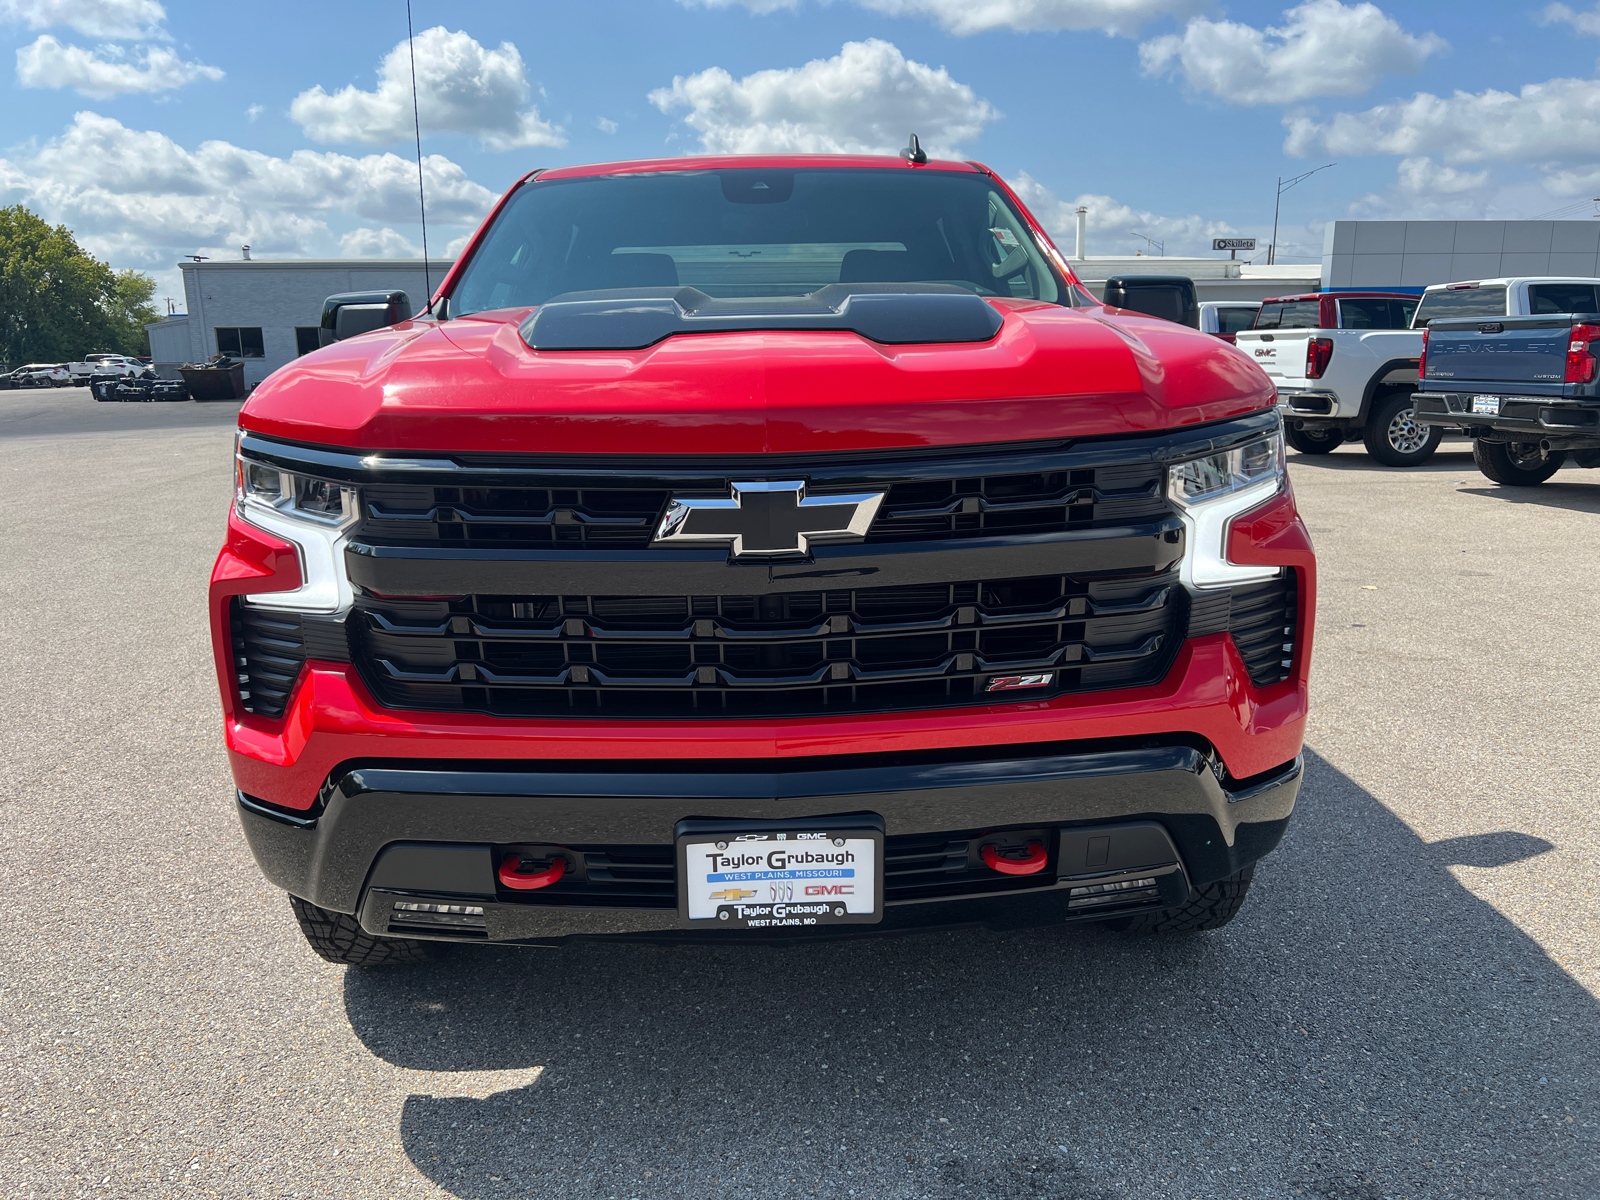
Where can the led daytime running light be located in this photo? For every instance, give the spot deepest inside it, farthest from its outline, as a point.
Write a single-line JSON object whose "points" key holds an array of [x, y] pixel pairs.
{"points": [[1210, 492], [313, 515]]}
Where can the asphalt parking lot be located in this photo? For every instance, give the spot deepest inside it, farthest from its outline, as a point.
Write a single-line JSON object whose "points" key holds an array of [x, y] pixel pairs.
{"points": [[1408, 1005]]}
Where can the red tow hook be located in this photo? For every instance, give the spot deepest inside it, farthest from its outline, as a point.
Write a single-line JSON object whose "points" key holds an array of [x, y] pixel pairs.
{"points": [[511, 876], [1031, 865]]}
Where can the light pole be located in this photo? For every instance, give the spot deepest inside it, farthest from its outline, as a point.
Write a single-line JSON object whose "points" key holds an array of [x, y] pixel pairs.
{"points": [[1283, 186]]}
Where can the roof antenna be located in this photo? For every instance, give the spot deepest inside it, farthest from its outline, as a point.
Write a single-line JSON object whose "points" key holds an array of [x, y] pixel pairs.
{"points": [[913, 153], [416, 119]]}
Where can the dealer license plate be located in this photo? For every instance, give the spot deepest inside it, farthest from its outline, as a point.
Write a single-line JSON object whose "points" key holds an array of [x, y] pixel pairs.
{"points": [[780, 880], [1486, 406]]}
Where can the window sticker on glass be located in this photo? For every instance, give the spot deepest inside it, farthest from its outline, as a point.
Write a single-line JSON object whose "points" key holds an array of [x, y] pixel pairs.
{"points": [[1006, 239]]}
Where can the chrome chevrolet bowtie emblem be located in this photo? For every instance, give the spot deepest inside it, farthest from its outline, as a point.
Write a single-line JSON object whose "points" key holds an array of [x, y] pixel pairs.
{"points": [[768, 519]]}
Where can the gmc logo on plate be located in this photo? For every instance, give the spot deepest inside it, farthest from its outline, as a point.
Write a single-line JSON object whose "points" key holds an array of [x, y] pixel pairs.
{"points": [[830, 889]]}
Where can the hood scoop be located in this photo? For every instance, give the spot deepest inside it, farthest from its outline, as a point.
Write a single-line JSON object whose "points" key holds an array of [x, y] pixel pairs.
{"points": [[895, 314]]}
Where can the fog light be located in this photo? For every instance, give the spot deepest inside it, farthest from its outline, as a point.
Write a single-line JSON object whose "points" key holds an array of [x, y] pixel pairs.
{"points": [[460, 916], [1107, 893]]}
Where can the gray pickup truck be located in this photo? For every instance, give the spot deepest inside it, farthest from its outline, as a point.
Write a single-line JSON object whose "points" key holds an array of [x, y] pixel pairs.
{"points": [[1525, 389]]}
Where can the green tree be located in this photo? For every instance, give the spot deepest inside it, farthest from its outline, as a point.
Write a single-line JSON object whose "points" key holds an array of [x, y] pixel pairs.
{"points": [[58, 302], [128, 308]]}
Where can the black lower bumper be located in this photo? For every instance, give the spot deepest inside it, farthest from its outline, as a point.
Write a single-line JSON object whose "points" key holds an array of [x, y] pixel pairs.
{"points": [[1565, 424], [412, 849]]}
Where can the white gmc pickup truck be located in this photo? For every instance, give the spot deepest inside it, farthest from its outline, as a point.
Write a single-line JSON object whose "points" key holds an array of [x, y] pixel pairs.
{"points": [[1345, 363]]}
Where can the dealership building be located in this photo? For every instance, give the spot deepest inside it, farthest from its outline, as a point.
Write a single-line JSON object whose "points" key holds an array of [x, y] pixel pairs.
{"points": [[267, 311]]}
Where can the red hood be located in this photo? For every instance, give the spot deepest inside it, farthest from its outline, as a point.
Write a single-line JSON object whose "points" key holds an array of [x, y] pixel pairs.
{"points": [[472, 385]]}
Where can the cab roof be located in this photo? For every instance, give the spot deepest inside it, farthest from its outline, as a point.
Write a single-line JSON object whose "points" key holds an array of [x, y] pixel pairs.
{"points": [[1340, 294], [758, 162]]}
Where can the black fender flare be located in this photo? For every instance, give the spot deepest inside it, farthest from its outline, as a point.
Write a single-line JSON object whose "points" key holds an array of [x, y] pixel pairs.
{"points": [[1375, 383]]}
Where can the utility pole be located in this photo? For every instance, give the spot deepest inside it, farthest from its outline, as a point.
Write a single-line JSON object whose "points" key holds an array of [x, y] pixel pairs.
{"points": [[1283, 186]]}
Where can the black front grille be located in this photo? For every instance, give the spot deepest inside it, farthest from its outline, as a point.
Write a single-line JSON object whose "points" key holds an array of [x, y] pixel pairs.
{"points": [[786, 654], [1263, 622], [268, 651], [958, 502]]}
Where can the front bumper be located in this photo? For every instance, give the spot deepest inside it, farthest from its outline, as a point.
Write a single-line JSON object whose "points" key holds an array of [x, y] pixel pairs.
{"points": [[1565, 424], [1127, 827]]}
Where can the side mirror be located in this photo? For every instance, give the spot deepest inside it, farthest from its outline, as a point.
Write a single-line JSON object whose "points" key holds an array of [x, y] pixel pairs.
{"points": [[350, 313]]}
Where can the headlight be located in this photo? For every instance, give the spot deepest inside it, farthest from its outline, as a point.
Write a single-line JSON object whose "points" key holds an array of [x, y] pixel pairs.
{"points": [[261, 486], [312, 514], [1210, 492]]}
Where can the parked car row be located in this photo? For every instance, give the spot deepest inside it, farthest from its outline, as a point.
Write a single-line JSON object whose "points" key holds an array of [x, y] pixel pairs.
{"points": [[1348, 365], [75, 374]]}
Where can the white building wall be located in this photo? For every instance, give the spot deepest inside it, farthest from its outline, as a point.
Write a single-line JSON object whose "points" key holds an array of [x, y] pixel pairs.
{"points": [[169, 342], [279, 295], [1414, 254]]}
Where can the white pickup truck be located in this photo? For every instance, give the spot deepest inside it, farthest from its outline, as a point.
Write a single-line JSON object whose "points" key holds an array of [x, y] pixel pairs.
{"points": [[1345, 363]]}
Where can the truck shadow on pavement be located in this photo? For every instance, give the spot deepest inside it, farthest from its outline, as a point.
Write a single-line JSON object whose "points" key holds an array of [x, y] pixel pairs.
{"points": [[1447, 458], [1557, 493], [1365, 1028]]}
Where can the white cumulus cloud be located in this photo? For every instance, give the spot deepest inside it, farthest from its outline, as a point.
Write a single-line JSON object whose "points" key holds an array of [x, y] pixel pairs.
{"points": [[106, 72], [1323, 48], [864, 100], [377, 243], [1558, 120], [1581, 22], [1424, 177], [130, 19], [1122, 17], [462, 87], [140, 199], [1113, 226]]}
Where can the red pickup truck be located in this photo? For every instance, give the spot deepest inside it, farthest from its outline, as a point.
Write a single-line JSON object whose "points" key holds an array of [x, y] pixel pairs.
{"points": [[759, 548]]}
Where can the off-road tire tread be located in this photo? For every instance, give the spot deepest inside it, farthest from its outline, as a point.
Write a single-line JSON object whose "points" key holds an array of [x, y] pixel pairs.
{"points": [[1376, 434], [339, 938], [1494, 460], [1305, 442], [1209, 907]]}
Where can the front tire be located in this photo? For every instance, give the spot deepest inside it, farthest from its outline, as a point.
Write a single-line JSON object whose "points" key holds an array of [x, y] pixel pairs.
{"points": [[1516, 464], [339, 938], [1395, 437], [1210, 907], [1314, 441]]}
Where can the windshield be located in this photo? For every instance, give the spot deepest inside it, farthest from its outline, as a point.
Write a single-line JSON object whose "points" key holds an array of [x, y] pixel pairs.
{"points": [[1459, 302], [752, 232]]}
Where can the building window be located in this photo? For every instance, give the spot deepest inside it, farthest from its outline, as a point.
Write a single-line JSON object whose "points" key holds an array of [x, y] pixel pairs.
{"points": [[241, 343], [306, 339]]}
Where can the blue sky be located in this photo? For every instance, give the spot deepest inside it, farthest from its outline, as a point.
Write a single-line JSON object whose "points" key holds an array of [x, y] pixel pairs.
{"points": [[156, 129]]}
